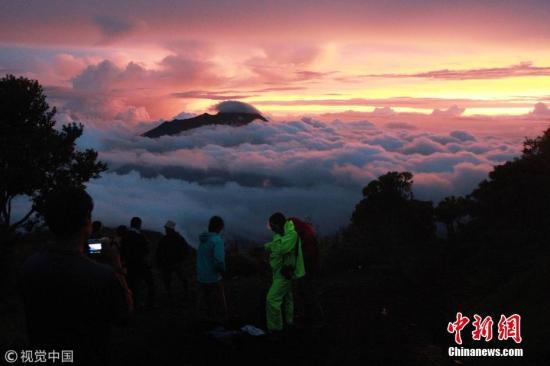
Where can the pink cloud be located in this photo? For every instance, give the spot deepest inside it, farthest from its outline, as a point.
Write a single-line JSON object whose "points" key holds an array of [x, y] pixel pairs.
{"points": [[423, 146], [508, 23], [522, 69], [133, 92], [297, 54], [199, 94], [541, 110], [462, 180], [453, 111], [69, 66], [401, 125], [407, 102], [284, 63], [114, 27]]}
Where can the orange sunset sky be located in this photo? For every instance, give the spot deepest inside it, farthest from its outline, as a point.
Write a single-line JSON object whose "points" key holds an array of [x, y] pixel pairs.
{"points": [[352, 89], [142, 61]]}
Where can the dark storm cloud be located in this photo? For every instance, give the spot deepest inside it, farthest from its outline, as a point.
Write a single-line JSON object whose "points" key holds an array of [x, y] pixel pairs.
{"points": [[112, 26]]}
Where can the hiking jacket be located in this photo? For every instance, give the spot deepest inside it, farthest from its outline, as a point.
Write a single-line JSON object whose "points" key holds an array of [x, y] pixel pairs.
{"points": [[210, 258], [281, 252]]}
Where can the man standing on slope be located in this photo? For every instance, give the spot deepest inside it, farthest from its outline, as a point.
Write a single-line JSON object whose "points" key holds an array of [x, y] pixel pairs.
{"points": [[287, 263], [172, 251], [210, 270], [134, 253]]}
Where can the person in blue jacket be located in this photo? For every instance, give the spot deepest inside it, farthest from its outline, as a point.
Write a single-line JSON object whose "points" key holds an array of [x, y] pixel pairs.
{"points": [[210, 270]]}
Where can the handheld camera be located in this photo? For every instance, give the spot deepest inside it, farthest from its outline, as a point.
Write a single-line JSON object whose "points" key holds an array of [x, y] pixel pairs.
{"points": [[95, 246]]}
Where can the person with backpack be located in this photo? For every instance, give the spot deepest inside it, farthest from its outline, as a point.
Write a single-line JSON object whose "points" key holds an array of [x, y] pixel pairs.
{"points": [[287, 264], [311, 309], [172, 250]]}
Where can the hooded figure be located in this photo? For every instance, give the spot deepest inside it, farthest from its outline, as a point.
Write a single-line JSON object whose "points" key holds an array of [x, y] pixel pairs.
{"points": [[282, 253], [210, 270], [172, 251], [210, 258]]}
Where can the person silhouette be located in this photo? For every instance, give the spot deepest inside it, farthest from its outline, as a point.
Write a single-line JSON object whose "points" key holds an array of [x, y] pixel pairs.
{"points": [[134, 252], [287, 263], [70, 300], [210, 270], [172, 250]]}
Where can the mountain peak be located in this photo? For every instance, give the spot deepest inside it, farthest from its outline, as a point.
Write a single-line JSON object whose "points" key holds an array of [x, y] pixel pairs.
{"points": [[177, 126]]}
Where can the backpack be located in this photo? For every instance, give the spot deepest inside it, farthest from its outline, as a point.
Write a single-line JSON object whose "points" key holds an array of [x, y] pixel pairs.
{"points": [[308, 237], [288, 270]]}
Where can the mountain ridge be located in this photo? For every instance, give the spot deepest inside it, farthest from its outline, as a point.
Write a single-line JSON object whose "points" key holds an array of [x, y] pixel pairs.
{"points": [[176, 126]]}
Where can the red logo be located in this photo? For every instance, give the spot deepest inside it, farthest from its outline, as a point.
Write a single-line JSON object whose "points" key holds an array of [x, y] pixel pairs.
{"points": [[457, 327], [483, 329], [508, 328]]}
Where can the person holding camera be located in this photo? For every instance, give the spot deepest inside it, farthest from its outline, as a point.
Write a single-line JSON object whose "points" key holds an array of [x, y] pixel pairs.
{"points": [[70, 300], [287, 263]]}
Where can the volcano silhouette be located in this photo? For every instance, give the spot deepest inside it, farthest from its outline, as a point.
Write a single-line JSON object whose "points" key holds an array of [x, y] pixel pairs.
{"points": [[177, 126]]}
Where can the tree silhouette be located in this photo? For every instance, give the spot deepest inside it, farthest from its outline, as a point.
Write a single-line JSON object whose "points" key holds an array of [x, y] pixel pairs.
{"points": [[389, 214], [513, 204], [449, 211], [34, 156]]}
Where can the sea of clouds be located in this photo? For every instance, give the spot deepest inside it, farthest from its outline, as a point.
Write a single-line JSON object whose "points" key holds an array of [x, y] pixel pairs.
{"points": [[307, 167]]}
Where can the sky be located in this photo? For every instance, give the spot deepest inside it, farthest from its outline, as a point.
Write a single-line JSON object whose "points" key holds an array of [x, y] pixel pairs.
{"points": [[352, 89]]}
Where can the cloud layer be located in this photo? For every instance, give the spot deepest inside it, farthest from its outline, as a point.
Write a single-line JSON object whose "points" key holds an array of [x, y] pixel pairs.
{"points": [[442, 106], [306, 167], [522, 69]]}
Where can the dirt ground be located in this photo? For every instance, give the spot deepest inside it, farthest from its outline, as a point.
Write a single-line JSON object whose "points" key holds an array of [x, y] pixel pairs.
{"points": [[367, 322], [357, 331]]}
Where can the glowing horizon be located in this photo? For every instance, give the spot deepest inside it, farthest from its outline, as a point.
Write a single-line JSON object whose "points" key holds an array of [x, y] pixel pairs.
{"points": [[132, 61]]}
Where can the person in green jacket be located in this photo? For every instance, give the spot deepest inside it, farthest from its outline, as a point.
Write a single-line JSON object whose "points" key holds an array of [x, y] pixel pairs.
{"points": [[283, 253]]}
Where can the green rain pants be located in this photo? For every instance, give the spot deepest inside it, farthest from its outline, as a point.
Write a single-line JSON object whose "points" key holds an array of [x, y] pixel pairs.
{"points": [[279, 298]]}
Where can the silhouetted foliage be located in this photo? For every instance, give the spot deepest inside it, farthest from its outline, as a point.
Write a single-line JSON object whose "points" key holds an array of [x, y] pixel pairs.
{"points": [[34, 156], [392, 185], [513, 204], [501, 252], [388, 213], [449, 211]]}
